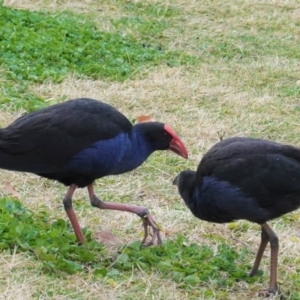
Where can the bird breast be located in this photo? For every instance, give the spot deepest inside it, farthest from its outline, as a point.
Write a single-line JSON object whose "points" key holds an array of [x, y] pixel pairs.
{"points": [[110, 157]]}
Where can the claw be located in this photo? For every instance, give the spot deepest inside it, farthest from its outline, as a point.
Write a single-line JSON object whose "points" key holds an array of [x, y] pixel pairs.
{"points": [[148, 221], [142, 212]]}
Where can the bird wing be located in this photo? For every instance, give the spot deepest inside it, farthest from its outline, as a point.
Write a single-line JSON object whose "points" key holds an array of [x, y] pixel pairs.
{"points": [[50, 137], [261, 169]]}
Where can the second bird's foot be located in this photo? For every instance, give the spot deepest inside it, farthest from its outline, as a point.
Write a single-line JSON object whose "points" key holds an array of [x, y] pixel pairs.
{"points": [[252, 273], [148, 221], [270, 294]]}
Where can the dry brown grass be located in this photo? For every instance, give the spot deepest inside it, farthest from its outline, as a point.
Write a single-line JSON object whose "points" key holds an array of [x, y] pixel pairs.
{"points": [[198, 102]]}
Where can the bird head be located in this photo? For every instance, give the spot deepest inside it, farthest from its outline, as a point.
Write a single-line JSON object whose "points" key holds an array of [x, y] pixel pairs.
{"points": [[185, 182], [176, 180], [162, 137], [184, 178]]}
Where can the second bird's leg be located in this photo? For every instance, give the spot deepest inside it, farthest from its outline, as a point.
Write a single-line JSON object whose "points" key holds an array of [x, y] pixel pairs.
{"points": [[268, 235], [71, 214], [273, 287], [140, 211], [263, 244]]}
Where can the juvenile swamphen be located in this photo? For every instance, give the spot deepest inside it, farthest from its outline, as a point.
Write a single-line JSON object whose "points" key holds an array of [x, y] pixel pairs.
{"points": [[244, 178], [80, 140]]}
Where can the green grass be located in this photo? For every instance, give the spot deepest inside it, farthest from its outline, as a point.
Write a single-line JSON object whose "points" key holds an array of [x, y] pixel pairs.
{"points": [[16, 96], [37, 46], [51, 242], [40, 47], [54, 245]]}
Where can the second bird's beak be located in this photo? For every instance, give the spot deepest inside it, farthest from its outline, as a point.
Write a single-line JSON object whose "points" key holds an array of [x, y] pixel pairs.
{"points": [[175, 180]]}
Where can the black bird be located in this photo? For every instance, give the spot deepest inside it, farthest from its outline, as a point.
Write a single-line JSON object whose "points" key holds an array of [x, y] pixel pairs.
{"points": [[80, 140], [244, 178]]}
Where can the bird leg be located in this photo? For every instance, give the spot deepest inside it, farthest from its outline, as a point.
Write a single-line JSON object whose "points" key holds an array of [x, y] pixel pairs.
{"points": [[71, 214], [273, 288], [263, 244], [268, 235], [140, 211]]}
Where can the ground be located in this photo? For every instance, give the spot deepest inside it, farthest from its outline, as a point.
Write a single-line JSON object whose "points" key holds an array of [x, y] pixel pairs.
{"points": [[241, 79]]}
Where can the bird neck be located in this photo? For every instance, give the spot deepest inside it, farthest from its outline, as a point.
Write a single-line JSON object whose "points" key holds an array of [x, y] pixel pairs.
{"points": [[198, 199], [196, 193], [118, 155], [134, 150], [186, 190]]}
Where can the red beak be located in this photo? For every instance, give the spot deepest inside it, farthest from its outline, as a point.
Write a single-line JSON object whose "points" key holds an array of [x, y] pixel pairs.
{"points": [[176, 144]]}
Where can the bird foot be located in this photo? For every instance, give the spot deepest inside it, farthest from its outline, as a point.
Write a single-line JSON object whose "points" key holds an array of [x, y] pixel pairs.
{"points": [[252, 273], [267, 294], [148, 221]]}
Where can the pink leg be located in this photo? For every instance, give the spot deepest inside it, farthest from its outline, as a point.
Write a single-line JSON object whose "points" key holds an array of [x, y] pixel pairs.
{"points": [[71, 214], [140, 211], [263, 244], [273, 287], [268, 235]]}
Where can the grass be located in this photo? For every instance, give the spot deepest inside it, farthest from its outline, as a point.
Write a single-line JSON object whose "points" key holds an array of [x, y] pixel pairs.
{"points": [[215, 66], [38, 46]]}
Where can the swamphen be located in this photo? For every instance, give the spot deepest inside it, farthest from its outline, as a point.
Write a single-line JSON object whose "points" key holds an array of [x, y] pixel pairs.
{"points": [[80, 140], [245, 178]]}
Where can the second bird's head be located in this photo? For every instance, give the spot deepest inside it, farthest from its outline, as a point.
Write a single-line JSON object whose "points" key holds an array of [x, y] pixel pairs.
{"points": [[162, 137]]}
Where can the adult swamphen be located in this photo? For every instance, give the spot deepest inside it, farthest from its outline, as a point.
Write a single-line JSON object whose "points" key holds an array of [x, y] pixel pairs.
{"points": [[80, 140], [244, 178]]}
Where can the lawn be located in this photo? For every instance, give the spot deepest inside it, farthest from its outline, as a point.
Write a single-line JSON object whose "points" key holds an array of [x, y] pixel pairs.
{"points": [[206, 68]]}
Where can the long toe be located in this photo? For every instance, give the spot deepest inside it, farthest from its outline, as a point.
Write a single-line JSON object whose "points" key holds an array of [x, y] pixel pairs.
{"points": [[148, 221]]}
